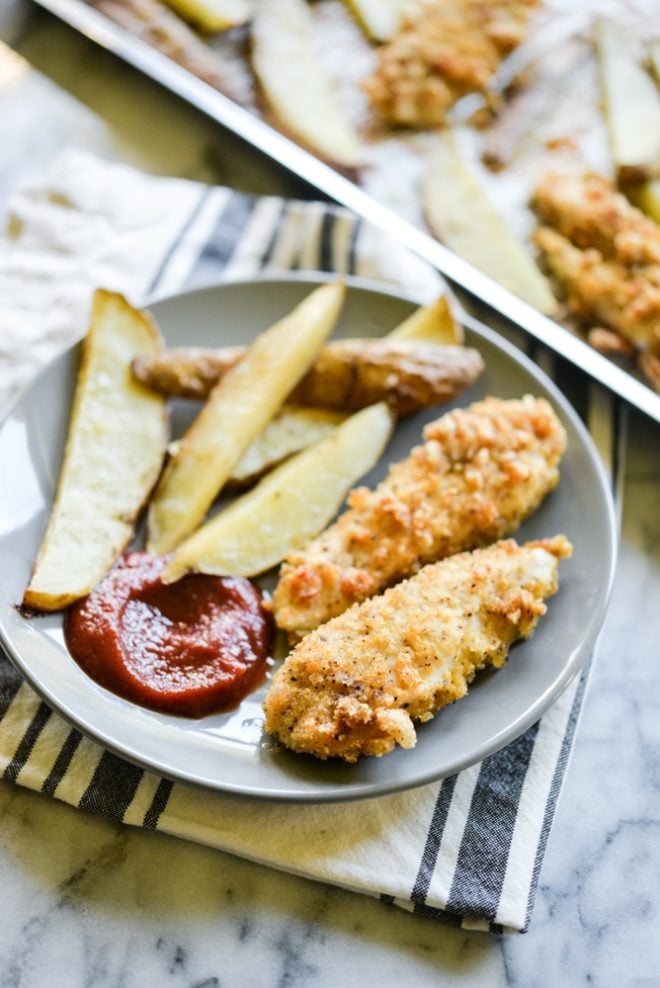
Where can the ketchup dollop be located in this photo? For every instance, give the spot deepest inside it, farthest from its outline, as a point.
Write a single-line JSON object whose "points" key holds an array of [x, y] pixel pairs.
{"points": [[191, 648]]}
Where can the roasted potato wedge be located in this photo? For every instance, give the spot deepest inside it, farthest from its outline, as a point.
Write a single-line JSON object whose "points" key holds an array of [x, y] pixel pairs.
{"points": [[238, 410], [379, 18], [655, 60], [459, 213], [289, 506], [352, 374], [292, 429], [113, 455], [632, 108], [647, 197], [213, 15], [193, 372], [294, 83], [646, 194], [158, 26], [187, 373], [348, 374], [433, 323]]}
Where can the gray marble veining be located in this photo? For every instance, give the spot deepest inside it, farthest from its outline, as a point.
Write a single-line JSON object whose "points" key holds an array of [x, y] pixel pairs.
{"points": [[86, 903]]}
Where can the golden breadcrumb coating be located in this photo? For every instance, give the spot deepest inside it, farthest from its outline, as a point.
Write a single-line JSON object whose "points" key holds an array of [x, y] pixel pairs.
{"points": [[356, 685], [605, 292], [480, 473], [605, 255], [443, 50], [588, 211]]}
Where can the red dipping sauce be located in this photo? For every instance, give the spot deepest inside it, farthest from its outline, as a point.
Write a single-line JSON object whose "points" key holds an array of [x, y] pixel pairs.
{"points": [[191, 648]]}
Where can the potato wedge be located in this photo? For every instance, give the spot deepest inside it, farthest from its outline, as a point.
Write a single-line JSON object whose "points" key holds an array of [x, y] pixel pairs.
{"points": [[431, 324], [655, 60], [237, 411], [213, 15], [292, 429], [295, 85], [459, 213], [347, 375], [352, 374], [113, 455], [187, 372], [632, 108], [379, 18], [289, 506], [158, 26], [647, 197]]}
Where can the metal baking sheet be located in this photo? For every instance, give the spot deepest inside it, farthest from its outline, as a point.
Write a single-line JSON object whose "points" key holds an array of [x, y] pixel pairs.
{"points": [[491, 299]]}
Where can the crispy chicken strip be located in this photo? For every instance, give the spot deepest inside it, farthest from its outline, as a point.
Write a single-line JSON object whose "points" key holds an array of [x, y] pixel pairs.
{"points": [[354, 686], [605, 292], [443, 50], [347, 376], [587, 209], [481, 471]]}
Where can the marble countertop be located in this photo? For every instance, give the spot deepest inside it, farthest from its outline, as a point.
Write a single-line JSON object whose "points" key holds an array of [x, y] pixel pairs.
{"points": [[88, 903]]}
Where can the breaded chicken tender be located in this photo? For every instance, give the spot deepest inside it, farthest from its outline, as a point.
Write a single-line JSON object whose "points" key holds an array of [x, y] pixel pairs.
{"points": [[605, 255], [588, 211], [480, 473], [604, 292], [356, 685], [443, 50]]}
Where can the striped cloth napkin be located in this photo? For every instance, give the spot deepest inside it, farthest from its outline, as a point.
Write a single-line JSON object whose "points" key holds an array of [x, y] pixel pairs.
{"points": [[466, 850]]}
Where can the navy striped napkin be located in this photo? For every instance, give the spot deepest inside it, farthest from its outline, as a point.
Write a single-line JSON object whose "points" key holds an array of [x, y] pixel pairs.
{"points": [[467, 850]]}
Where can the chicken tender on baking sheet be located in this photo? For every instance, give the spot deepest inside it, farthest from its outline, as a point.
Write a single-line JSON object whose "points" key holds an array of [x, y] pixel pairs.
{"points": [[606, 293], [588, 211], [443, 50], [356, 685], [480, 473]]}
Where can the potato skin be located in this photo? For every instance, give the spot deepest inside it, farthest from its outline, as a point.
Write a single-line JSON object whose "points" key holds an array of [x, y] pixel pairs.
{"points": [[348, 374]]}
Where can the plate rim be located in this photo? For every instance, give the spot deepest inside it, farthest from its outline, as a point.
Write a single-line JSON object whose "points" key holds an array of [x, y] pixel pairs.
{"points": [[335, 793]]}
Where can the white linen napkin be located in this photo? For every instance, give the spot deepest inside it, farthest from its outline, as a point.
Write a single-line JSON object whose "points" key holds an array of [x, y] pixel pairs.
{"points": [[468, 849]]}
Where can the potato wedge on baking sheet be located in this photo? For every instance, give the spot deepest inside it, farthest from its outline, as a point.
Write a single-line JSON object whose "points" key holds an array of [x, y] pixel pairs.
{"points": [[213, 15], [292, 429], [295, 85], [433, 323], [632, 108], [237, 411], [113, 455], [646, 194], [461, 215], [379, 18], [289, 506], [161, 28], [654, 53], [647, 197]]}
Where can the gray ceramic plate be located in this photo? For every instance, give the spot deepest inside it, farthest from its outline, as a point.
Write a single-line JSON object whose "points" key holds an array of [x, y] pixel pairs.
{"points": [[227, 751]]}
